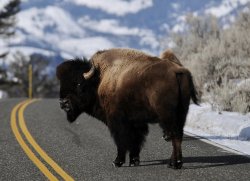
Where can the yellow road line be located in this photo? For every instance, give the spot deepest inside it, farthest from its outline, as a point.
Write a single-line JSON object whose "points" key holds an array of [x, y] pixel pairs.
{"points": [[34, 144], [38, 149], [25, 147]]}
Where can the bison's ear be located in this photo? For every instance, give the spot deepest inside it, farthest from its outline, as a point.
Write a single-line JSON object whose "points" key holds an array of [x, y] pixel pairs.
{"points": [[90, 73]]}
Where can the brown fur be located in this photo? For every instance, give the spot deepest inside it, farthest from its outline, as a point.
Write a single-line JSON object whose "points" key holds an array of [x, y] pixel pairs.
{"points": [[169, 55], [129, 90]]}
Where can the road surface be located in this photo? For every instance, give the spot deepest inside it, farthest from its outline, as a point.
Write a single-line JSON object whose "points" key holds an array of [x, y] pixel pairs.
{"points": [[37, 143]]}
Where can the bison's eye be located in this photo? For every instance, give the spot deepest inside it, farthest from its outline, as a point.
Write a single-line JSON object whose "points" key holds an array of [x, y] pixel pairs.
{"points": [[78, 88]]}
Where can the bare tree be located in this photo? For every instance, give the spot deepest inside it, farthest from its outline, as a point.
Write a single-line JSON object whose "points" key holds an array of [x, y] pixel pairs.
{"points": [[44, 81]]}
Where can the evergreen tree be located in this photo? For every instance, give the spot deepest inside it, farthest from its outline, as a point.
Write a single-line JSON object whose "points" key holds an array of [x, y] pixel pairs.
{"points": [[7, 23], [7, 18]]}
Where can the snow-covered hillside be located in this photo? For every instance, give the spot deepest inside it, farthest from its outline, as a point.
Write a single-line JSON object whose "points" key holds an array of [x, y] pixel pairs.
{"points": [[81, 27]]}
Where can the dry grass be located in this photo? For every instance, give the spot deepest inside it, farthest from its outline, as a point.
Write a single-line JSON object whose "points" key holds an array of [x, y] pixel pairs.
{"points": [[219, 59]]}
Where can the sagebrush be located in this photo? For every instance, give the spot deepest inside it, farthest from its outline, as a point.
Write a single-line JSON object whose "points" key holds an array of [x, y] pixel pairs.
{"points": [[219, 59]]}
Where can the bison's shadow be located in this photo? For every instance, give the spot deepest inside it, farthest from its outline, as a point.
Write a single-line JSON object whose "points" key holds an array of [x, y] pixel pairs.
{"points": [[203, 161]]}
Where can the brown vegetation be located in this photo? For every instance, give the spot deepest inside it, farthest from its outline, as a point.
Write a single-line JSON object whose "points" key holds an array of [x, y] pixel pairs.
{"points": [[218, 58]]}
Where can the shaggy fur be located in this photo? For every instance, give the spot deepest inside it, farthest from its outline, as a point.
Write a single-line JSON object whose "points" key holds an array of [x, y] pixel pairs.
{"points": [[128, 90], [169, 55]]}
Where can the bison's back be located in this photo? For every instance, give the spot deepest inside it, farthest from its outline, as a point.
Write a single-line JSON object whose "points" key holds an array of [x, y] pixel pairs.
{"points": [[119, 58], [141, 89]]}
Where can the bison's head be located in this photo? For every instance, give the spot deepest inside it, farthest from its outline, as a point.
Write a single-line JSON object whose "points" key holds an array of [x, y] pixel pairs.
{"points": [[77, 87]]}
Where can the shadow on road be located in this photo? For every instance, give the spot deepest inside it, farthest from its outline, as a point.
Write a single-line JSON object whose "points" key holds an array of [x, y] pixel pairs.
{"points": [[75, 136], [203, 162], [215, 161], [189, 138]]}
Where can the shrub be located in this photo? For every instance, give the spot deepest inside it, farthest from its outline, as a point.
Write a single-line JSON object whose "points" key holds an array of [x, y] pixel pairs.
{"points": [[218, 59]]}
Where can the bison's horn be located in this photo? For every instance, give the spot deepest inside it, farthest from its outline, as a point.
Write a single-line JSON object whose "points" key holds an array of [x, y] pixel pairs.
{"points": [[90, 73]]}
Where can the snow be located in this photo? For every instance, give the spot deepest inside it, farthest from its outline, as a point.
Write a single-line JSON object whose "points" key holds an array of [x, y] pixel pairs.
{"points": [[30, 50], [225, 7], [224, 10], [56, 30], [36, 21], [226, 128], [243, 84], [116, 7], [3, 3], [139, 24], [3, 94], [112, 26], [86, 46]]}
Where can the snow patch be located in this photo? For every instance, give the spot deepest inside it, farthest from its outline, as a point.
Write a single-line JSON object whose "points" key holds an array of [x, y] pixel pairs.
{"points": [[112, 26], [243, 84], [30, 50], [85, 46], [3, 94], [225, 7], [225, 128], [116, 7], [36, 21], [3, 3]]}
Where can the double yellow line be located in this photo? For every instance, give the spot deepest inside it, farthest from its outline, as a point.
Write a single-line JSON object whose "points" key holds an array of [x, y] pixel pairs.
{"points": [[18, 112]]}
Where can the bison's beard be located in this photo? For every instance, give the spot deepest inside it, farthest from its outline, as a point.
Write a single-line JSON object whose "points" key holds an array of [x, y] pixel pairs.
{"points": [[72, 111], [71, 116]]}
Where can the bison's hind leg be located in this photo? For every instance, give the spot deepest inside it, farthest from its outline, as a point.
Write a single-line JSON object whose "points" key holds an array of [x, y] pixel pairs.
{"points": [[176, 158], [173, 130]]}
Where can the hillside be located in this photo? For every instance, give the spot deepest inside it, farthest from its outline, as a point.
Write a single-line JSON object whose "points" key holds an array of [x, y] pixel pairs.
{"points": [[69, 28]]}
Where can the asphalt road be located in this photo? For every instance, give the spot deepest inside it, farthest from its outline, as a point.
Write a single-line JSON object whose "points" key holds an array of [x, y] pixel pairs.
{"points": [[84, 150]]}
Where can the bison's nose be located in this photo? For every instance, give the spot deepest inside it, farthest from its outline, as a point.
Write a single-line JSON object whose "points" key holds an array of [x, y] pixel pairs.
{"points": [[64, 104]]}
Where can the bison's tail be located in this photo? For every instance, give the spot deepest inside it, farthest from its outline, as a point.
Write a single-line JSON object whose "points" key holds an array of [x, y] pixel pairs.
{"points": [[192, 89], [194, 94]]}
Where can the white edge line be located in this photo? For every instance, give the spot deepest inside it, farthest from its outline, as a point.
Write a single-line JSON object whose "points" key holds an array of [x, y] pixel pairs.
{"points": [[216, 144]]}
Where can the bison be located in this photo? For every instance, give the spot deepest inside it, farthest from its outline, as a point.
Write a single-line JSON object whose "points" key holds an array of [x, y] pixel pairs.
{"points": [[127, 89]]}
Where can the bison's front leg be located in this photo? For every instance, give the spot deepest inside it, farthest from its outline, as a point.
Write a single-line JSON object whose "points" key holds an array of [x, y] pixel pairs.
{"points": [[119, 138], [121, 156], [118, 131]]}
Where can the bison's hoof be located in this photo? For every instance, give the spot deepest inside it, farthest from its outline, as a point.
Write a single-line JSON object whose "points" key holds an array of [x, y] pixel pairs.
{"points": [[134, 162], [175, 164], [166, 137], [117, 164]]}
